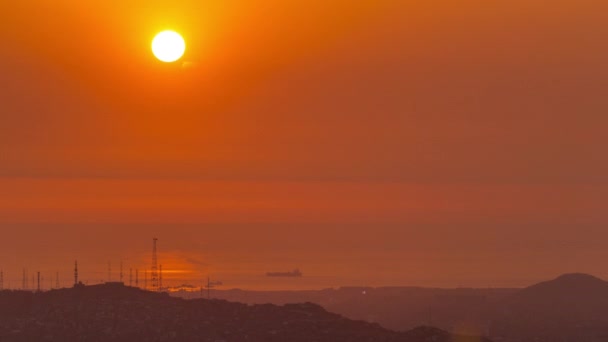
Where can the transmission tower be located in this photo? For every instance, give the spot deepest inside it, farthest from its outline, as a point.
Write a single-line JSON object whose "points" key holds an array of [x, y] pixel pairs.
{"points": [[154, 275]]}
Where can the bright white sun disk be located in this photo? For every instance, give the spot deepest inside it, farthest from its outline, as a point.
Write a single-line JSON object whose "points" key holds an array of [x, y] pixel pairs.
{"points": [[168, 46]]}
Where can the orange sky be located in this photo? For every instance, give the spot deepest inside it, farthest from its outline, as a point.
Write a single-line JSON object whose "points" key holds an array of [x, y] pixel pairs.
{"points": [[376, 142]]}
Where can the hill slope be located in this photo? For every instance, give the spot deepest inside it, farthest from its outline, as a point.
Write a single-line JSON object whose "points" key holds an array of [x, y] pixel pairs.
{"points": [[119, 313], [572, 307]]}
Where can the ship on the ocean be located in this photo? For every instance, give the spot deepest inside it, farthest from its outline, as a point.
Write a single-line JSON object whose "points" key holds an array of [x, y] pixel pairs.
{"points": [[294, 273]]}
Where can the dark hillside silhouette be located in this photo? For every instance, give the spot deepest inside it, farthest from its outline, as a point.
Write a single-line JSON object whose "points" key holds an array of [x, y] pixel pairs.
{"points": [[118, 313]]}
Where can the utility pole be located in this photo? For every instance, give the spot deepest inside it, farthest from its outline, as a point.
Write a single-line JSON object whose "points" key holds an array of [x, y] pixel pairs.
{"points": [[210, 285], [76, 273], [160, 277], [154, 275]]}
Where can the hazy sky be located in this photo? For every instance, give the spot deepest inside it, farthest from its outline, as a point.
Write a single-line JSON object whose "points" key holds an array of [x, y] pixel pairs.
{"points": [[442, 142]]}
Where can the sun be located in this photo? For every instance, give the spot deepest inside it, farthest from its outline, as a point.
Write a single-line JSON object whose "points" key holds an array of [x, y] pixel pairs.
{"points": [[168, 46]]}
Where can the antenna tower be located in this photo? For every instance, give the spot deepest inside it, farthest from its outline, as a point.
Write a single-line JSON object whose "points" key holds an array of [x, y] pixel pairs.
{"points": [[154, 275]]}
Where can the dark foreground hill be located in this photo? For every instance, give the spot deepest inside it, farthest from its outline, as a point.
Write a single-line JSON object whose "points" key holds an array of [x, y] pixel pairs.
{"points": [[119, 313]]}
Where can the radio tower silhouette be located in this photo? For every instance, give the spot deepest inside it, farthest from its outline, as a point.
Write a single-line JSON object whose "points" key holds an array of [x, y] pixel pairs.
{"points": [[154, 275]]}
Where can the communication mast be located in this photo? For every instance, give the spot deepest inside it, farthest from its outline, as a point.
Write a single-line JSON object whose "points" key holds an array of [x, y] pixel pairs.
{"points": [[154, 275]]}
